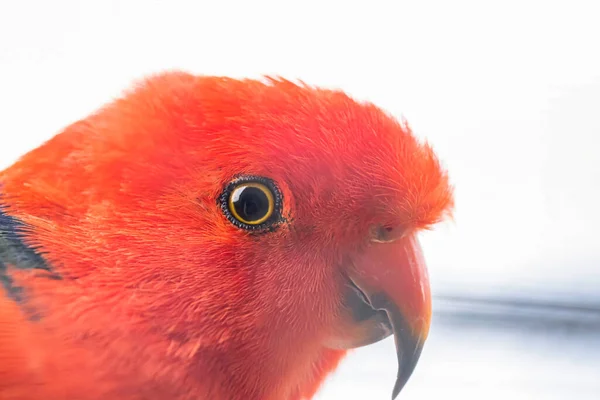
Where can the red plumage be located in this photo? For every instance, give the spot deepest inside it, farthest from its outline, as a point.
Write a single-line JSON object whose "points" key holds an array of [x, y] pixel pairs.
{"points": [[152, 292]]}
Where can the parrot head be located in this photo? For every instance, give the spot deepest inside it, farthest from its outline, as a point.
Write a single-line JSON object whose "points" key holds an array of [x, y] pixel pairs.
{"points": [[253, 228]]}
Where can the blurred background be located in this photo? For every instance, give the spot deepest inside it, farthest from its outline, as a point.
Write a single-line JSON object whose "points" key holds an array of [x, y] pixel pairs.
{"points": [[507, 92]]}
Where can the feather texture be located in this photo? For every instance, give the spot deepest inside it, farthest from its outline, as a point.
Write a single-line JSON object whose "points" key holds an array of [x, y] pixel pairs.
{"points": [[144, 290]]}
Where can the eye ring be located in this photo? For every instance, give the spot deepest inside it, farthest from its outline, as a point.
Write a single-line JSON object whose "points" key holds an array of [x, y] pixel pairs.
{"points": [[251, 202]]}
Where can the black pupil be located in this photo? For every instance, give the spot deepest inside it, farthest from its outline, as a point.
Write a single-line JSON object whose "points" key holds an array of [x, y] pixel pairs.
{"points": [[250, 203]]}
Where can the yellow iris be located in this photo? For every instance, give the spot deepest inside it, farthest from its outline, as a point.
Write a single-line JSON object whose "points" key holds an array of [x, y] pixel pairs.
{"points": [[251, 203]]}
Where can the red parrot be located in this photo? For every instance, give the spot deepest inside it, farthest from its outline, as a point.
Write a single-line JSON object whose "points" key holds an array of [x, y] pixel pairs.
{"points": [[214, 238]]}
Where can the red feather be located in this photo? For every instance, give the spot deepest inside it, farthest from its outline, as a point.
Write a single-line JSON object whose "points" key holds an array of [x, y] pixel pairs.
{"points": [[159, 296]]}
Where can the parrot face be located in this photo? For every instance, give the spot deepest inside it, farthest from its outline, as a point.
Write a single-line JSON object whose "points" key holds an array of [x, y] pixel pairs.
{"points": [[224, 239]]}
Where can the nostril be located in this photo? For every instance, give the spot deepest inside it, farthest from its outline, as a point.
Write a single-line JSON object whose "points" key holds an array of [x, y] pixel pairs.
{"points": [[386, 233]]}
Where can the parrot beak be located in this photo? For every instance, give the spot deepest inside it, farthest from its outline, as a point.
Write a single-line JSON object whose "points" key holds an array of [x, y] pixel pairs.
{"points": [[391, 278]]}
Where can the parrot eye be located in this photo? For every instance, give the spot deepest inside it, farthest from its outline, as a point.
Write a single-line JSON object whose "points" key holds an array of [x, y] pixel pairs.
{"points": [[251, 202]]}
